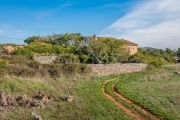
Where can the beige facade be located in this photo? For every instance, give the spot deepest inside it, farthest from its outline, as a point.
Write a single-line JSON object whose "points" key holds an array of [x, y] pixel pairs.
{"points": [[132, 48]]}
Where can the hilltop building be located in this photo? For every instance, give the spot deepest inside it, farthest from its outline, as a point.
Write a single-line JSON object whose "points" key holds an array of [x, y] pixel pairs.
{"points": [[132, 48]]}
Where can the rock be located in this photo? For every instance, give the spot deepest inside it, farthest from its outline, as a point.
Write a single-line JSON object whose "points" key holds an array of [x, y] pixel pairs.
{"points": [[68, 98], [36, 116], [44, 59], [23, 100], [34, 103], [46, 100], [109, 69], [39, 96], [38, 101], [10, 100]]}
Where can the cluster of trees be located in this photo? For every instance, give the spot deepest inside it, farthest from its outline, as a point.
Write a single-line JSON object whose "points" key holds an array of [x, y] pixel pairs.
{"points": [[57, 39], [101, 51], [156, 57]]}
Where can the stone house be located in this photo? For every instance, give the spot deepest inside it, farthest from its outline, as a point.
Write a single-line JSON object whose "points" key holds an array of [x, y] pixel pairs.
{"points": [[132, 48]]}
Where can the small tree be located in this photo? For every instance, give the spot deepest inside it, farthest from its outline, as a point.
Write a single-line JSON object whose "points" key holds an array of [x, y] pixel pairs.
{"points": [[178, 54], [37, 39]]}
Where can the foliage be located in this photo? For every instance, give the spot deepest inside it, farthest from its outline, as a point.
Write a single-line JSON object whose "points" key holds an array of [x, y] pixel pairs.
{"points": [[3, 65], [33, 39], [107, 51], [102, 51], [23, 51], [67, 58], [41, 48], [65, 39], [154, 57]]}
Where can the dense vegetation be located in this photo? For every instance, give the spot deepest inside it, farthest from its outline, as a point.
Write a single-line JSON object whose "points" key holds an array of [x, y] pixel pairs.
{"points": [[76, 48], [155, 57]]}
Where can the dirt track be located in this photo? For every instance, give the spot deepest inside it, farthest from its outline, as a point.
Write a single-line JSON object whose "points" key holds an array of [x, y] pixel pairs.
{"points": [[134, 114]]}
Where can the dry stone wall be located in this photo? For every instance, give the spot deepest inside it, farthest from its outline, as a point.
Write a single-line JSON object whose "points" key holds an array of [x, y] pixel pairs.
{"points": [[109, 69], [45, 59]]}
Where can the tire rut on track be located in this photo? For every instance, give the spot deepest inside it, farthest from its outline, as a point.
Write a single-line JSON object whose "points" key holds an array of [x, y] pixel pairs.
{"points": [[133, 114], [120, 105]]}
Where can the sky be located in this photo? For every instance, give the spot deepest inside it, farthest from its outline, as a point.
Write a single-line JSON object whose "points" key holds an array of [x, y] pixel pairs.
{"points": [[150, 23]]}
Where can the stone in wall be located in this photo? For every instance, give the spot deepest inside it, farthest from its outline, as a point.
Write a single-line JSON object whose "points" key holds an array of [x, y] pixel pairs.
{"points": [[109, 69], [44, 59]]}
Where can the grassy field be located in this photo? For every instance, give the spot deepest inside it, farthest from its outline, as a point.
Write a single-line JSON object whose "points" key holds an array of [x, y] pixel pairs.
{"points": [[99, 107], [54, 88], [89, 103], [158, 91]]}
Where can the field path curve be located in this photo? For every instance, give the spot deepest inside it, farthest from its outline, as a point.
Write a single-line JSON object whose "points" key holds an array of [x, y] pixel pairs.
{"points": [[120, 105], [128, 111]]}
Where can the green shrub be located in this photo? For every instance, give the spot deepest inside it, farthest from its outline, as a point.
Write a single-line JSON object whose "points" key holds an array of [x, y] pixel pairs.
{"points": [[3, 63], [41, 48], [23, 51], [76, 68], [83, 58], [3, 66], [156, 63], [67, 59]]}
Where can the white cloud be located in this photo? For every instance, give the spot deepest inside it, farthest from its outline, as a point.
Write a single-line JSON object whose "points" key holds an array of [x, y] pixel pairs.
{"points": [[154, 23]]}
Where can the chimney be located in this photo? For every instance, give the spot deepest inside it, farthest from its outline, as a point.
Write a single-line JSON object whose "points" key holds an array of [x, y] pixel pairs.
{"points": [[94, 37]]}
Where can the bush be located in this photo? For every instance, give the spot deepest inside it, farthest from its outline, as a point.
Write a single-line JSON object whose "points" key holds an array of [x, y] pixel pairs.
{"points": [[156, 63], [19, 59], [83, 58], [3, 65], [67, 59], [75, 69], [41, 48], [23, 51]]}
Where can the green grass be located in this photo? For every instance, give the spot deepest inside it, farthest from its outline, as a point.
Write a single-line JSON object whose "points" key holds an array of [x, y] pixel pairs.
{"points": [[108, 89], [54, 88], [157, 91], [99, 107], [89, 103], [21, 86]]}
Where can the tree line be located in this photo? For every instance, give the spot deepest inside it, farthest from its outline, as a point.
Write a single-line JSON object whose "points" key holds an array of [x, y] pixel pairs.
{"points": [[69, 48]]}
